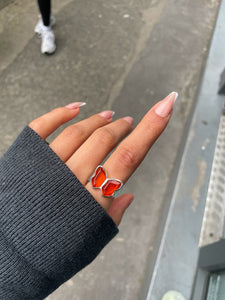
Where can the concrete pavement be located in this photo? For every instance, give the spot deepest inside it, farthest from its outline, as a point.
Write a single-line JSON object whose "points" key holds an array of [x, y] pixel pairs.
{"points": [[115, 55]]}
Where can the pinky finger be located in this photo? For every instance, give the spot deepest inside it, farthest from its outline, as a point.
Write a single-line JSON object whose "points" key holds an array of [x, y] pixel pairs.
{"points": [[119, 207], [48, 123]]}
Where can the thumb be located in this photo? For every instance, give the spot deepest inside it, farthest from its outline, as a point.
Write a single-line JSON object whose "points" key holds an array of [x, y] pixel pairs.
{"points": [[119, 206]]}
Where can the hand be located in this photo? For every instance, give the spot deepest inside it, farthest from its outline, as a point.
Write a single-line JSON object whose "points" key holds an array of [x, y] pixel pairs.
{"points": [[84, 145]]}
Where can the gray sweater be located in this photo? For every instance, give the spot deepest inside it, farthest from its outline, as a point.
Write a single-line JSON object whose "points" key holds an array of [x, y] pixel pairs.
{"points": [[50, 225]]}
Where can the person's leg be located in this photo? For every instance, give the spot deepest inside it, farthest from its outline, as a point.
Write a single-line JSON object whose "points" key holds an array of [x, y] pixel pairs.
{"points": [[45, 10], [43, 27]]}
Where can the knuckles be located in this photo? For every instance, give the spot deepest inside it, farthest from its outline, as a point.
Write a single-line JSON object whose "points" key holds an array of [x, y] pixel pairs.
{"points": [[126, 157], [74, 131], [105, 136]]}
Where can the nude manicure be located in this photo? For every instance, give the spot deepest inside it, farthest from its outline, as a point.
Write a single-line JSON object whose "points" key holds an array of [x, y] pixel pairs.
{"points": [[75, 105], [129, 120], [108, 114], [165, 107]]}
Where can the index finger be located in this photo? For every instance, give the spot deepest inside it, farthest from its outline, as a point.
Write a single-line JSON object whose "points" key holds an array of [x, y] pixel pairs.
{"points": [[130, 153]]}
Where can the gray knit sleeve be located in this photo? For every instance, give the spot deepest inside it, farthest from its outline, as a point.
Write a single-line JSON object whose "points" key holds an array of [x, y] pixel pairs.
{"points": [[50, 225]]}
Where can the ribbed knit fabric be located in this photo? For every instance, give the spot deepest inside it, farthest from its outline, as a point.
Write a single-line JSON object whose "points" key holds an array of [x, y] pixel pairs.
{"points": [[50, 225]]}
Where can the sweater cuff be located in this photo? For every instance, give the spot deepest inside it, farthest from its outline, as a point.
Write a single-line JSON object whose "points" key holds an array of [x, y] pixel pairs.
{"points": [[47, 216]]}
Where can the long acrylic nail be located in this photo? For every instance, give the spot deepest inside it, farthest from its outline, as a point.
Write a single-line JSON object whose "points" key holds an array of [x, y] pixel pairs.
{"points": [[165, 107], [108, 114], [75, 105]]}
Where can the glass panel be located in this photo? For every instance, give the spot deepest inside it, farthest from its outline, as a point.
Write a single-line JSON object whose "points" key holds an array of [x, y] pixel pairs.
{"points": [[216, 289]]}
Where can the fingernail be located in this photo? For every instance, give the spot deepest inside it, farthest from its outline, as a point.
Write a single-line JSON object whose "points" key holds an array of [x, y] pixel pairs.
{"points": [[108, 114], [129, 120], [75, 105], [165, 107]]}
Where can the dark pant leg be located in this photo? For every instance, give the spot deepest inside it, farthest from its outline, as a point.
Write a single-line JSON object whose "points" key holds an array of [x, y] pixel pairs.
{"points": [[45, 9]]}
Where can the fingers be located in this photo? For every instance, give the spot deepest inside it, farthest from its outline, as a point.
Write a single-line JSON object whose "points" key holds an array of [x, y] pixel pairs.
{"points": [[85, 145], [130, 153], [75, 135], [119, 207], [97, 147], [49, 122]]}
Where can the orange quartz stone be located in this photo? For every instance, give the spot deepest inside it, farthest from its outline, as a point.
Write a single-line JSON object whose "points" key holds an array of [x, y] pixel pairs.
{"points": [[110, 187]]}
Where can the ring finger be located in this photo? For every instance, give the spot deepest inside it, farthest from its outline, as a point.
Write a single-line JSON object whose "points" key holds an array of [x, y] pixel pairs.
{"points": [[130, 153], [97, 147], [74, 136]]}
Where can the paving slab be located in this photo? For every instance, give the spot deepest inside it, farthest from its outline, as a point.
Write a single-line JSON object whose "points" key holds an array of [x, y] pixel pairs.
{"points": [[115, 55]]}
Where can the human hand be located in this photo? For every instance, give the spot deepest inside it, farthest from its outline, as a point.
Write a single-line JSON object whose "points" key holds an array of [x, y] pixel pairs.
{"points": [[84, 145]]}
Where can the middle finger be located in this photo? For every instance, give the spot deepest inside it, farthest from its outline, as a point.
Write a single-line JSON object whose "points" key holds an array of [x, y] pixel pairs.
{"points": [[97, 147], [73, 136]]}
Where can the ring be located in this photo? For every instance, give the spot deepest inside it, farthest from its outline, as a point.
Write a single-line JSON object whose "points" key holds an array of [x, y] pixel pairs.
{"points": [[108, 186]]}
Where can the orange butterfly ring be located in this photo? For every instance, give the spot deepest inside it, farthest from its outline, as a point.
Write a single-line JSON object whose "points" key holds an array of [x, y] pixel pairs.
{"points": [[108, 186]]}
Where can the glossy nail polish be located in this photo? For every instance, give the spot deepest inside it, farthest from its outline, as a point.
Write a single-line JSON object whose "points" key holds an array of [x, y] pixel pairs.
{"points": [[108, 114], [165, 107], [75, 105]]}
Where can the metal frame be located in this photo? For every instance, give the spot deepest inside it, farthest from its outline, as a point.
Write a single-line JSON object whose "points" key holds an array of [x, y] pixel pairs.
{"points": [[211, 259], [222, 83], [212, 242], [200, 287], [176, 254]]}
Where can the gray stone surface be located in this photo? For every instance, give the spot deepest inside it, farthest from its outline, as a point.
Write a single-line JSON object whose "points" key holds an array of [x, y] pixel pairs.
{"points": [[4, 3], [120, 55]]}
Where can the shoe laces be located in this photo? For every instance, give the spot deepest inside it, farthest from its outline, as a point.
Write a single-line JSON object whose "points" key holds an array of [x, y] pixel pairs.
{"points": [[48, 35]]}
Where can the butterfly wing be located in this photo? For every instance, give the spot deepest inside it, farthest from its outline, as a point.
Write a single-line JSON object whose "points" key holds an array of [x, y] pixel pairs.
{"points": [[99, 177], [110, 187]]}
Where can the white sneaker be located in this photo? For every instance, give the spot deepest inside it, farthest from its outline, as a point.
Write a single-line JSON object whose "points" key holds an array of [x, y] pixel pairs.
{"points": [[48, 40], [38, 27]]}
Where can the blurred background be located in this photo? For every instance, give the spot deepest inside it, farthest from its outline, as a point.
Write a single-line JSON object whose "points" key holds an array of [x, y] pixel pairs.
{"points": [[122, 56]]}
